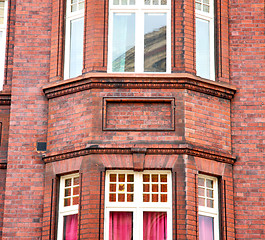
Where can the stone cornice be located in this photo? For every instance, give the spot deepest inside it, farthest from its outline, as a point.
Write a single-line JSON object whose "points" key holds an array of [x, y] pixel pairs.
{"points": [[139, 81], [5, 98], [186, 149]]}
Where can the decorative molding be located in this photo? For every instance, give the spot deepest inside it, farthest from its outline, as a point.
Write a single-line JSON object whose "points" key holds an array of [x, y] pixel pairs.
{"points": [[5, 99], [188, 150], [139, 81], [3, 165], [166, 123]]}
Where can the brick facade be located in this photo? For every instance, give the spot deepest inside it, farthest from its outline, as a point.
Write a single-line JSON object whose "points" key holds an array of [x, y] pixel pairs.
{"points": [[105, 121]]}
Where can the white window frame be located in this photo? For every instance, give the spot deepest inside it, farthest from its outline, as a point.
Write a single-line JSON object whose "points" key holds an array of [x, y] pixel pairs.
{"points": [[209, 17], [139, 9], [3, 29], [138, 206], [70, 16], [64, 211], [212, 212]]}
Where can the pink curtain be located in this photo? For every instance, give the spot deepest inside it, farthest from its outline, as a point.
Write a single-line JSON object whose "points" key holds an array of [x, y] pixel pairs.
{"points": [[155, 226], [206, 228], [120, 226], [70, 227]]}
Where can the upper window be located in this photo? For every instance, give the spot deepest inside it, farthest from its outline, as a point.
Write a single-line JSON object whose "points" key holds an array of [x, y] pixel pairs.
{"points": [[205, 63], [138, 205], [208, 208], [3, 24], [68, 207], [74, 34], [139, 36]]}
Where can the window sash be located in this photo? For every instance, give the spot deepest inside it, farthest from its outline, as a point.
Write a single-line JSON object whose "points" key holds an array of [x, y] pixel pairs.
{"points": [[211, 212], [139, 10], [73, 57], [210, 56], [64, 211], [138, 207], [3, 29]]}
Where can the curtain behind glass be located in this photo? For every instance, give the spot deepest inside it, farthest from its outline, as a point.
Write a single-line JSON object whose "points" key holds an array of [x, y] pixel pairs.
{"points": [[206, 228], [70, 227], [203, 48], [123, 46], [76, 47], [155, 226], [121, 226]]}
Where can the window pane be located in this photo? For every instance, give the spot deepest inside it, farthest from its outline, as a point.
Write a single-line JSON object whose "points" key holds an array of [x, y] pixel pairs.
{"points": [[154, 225], [70, 227], [76, 47], [120, 226], [155, 42], [202, 48], [206, 228], [123, 46]]}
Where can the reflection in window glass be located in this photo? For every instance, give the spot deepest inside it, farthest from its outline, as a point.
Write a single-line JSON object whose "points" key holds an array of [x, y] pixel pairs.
{"points": [[155, 225], [155, 42], [123, 48], [202, 48], [76, 48]]}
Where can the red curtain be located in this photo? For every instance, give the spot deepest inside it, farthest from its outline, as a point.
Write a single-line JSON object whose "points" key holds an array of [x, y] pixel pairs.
{"points": [[206, 228], [121, 226], [70, 227], [155, 226]]}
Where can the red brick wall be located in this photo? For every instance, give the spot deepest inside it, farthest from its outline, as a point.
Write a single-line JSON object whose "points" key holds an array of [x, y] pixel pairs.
{"points": [[247, 67], [28, 122], [4, 119]]}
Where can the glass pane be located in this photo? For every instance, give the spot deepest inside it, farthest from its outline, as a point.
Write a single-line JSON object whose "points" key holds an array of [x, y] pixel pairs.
{"points": [[163, 2], [146, 197], [202, 48], [132, 2], [112, 197], [121, 177], [154, 197], [75, 200], [146, 178], [147, 2], [206, 1], [154, 225], [116, 2], [155, 2], [206, 228], [123, 46], [163, 187], [206, 8], [130, 178], [154, 187], [67, 202], [76, 191], [155, 42], [120, 225], [123, 2], [210, 193], [121, 197], [76, 47], [130, 188], [67, 192], [112, 187], [112, 177], [76, 181], [68, 182], [209, 183], [74, 8], [121, 187], [163, 178], [163, 197], [198, 6], [70, 227], [201, 182], [154, 177], [209, 203], [201, 202], [201, 192], [130, 198]]}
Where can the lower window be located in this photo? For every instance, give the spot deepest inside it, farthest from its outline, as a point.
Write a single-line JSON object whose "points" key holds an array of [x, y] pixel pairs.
{"points": [[138, 205], [68, 207], [208, 208]]}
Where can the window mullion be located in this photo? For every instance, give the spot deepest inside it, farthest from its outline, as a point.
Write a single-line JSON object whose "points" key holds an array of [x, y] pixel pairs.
{"points": [[139, 44]]}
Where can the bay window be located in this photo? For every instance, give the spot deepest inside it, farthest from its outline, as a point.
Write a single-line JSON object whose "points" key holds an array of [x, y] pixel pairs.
{"points": [[138, 205], [3, 24], [139, 36], [205, 55], [68, 207], [208, 208], [74, 34]]}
